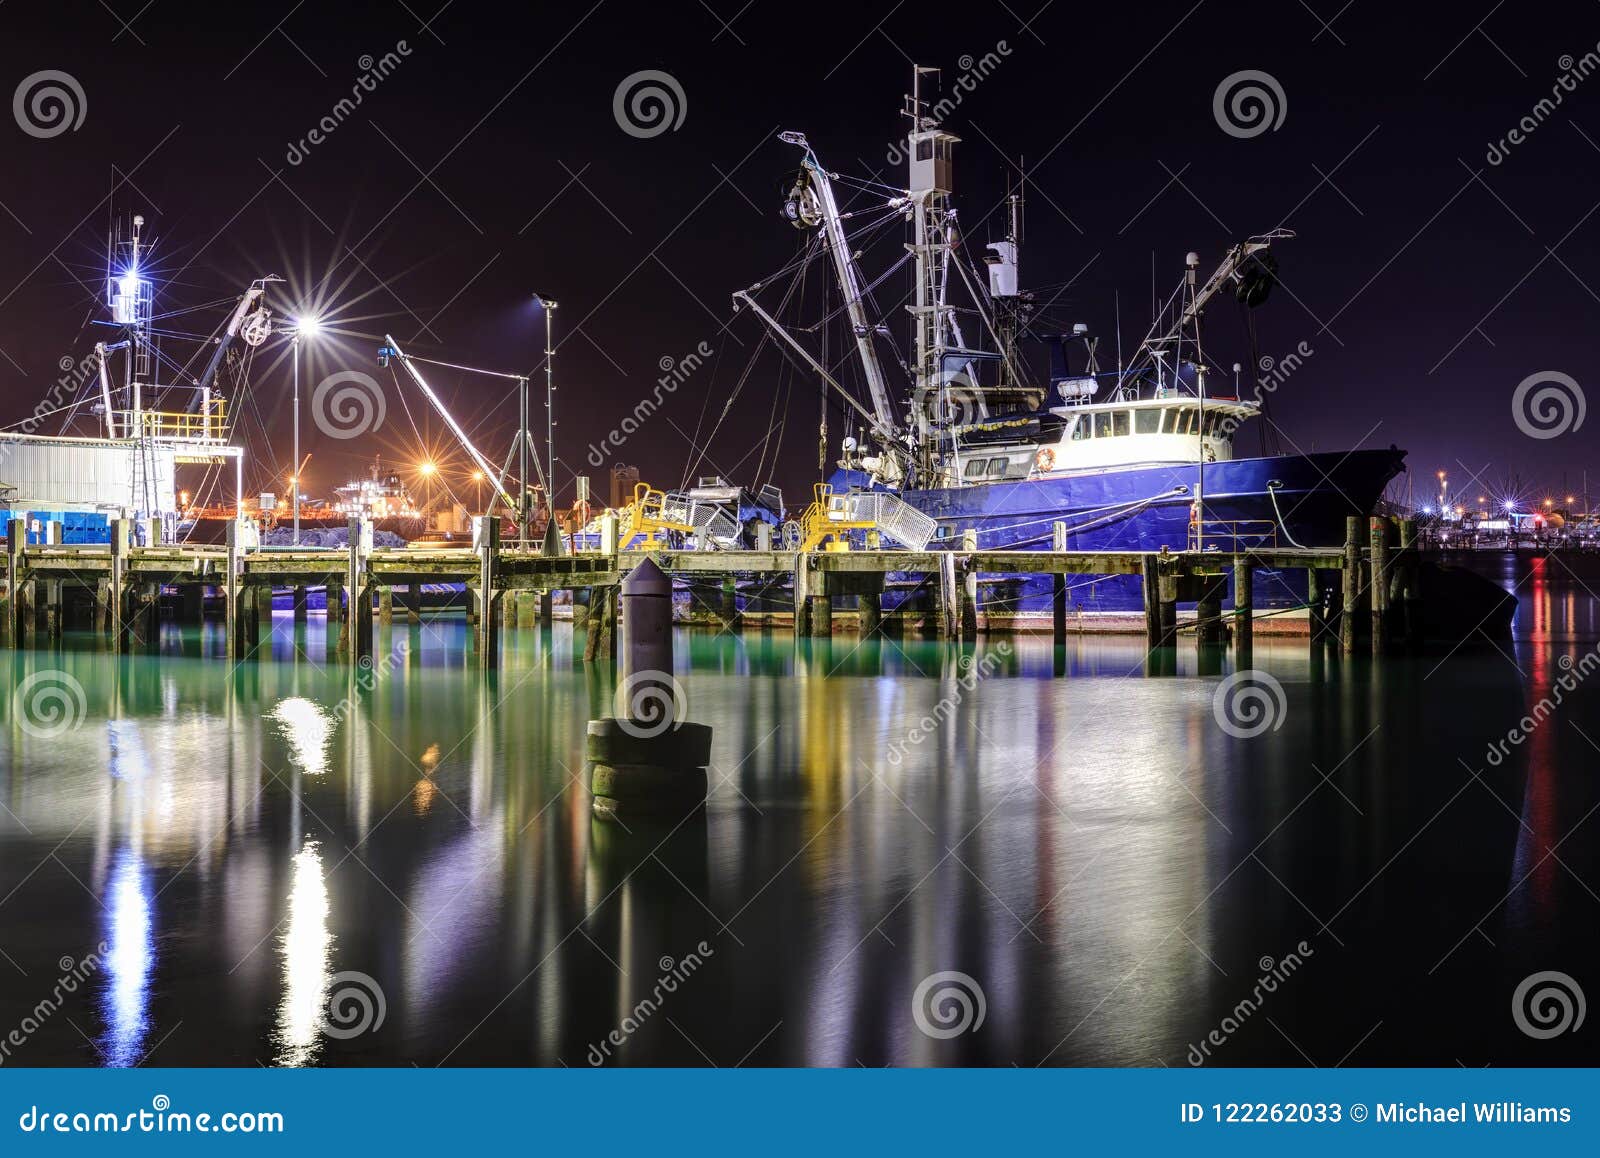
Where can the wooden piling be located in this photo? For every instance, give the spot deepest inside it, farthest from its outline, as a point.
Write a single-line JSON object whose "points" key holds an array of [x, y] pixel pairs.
{"points": [[119, 577], [949, 607], [1058, 610], [967, 592], [299, 603], [802, 597], [1411, 590], [869, 607], [1316, 616], [1351, 585], [16, 539], [489, 612], [1243, 608], [1378, 549], [1208, 610], [230, 590], [385, 604], [821, 605], [1168, 602], [1150, 588]]}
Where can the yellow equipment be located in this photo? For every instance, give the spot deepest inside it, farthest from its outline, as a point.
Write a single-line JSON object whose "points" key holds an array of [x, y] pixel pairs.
{"points": [[827, 520]]}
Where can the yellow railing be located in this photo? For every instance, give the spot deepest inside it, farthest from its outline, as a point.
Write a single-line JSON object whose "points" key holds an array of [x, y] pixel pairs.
{"points": [[207, 426], [647, 515], [827, 519]]}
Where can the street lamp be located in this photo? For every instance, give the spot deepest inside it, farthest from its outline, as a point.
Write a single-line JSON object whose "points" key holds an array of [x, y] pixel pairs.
{"points": [[309, 328], [549, 306]]}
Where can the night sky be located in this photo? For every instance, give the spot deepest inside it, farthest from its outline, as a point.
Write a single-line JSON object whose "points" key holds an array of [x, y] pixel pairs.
{"points": [[488, 165]]}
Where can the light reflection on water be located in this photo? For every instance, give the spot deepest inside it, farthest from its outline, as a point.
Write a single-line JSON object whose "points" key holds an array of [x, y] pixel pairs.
{"points": [[307, 949], [1094, 850], [129, 962]]}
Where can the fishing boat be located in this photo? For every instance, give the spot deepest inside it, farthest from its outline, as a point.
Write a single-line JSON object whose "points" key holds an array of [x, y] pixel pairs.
{"points": [[964, 430]]}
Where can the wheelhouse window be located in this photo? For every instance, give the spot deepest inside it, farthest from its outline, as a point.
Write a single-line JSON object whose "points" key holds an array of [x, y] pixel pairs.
{"points": [[1102, 425], [974, 468], [1146, 421], [1119, 422], [1081, 428], [997, 467]]}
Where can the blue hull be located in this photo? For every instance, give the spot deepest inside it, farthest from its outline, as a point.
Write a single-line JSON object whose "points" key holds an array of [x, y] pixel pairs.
{"points": [[1147, 508]]}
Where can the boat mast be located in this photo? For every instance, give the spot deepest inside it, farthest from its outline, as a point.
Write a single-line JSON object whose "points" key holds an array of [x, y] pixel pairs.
{"points": [[849, 278], [929, 161]]}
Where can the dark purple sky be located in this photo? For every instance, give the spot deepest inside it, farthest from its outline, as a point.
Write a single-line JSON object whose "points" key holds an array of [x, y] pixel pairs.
{"points": [[1429, 282]]}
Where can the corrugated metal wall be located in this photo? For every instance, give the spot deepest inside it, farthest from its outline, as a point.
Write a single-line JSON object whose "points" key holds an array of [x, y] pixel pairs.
{"points": [[76, 475]]}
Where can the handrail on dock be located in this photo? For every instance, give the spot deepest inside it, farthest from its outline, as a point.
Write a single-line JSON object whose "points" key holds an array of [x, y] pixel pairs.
{"points": [[1376, 566]]}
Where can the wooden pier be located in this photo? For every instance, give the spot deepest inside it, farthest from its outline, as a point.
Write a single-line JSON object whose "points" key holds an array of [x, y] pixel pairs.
{"points": [[116, 589]]}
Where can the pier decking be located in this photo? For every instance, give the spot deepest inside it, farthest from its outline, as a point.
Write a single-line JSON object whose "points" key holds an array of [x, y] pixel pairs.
{"points": [[117, 587]]}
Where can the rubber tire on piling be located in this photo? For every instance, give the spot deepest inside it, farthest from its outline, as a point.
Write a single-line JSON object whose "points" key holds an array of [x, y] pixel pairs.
{"points": [[684, 746], [648, 782]]}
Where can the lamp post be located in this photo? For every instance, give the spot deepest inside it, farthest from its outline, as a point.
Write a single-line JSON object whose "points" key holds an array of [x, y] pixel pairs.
{"points": [[306, 327], [549, 306]]}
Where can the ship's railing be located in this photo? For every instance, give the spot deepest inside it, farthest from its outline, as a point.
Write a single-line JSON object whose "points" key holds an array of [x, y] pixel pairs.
{"points": [[208, 425], [1233, 535]]}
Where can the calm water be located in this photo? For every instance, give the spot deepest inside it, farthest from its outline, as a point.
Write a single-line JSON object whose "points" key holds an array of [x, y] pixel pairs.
{"points": [[1111, 868]]}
